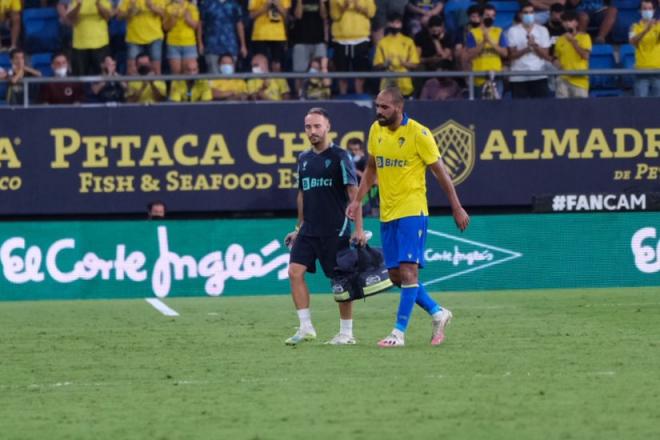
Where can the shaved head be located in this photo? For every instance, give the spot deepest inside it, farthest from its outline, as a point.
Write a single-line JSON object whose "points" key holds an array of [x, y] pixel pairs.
{"points": [[394, 93]]}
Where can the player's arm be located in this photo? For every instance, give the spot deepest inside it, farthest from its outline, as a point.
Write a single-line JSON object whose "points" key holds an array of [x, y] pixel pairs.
{"points": [[358, 234], [291, 236], [442, 177], [368, 180]]}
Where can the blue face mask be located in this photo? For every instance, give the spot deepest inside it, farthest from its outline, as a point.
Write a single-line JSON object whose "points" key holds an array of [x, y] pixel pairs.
{"points": [[528, 19], [226, 69], [648, 14]]}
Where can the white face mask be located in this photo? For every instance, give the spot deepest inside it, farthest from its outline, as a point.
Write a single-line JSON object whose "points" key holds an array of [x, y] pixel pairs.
{"points": [[226, 69], [313, 70], [60, 72], [257, 69]]}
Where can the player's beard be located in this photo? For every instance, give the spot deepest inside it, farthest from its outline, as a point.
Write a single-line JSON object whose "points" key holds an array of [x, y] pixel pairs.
{"points": [[316, 140], [384, 122]]}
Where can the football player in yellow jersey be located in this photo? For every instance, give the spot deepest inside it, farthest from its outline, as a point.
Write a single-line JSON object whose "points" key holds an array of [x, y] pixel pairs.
{"points": [[400, 151]]}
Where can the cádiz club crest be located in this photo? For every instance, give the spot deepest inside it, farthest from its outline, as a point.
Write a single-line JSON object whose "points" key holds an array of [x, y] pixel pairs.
{"points": [[457, 147]]}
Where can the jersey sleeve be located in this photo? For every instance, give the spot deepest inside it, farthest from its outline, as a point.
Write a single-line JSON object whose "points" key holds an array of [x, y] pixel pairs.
{"points": [[348, 174], [426, 146]]}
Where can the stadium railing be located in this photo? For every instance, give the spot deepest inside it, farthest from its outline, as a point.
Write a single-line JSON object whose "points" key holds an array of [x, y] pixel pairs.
{"points": [[469, 76]]}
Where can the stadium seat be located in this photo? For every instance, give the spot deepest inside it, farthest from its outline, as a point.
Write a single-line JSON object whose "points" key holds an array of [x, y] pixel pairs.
{"points": [[627, 56], [602, 57], [606, 93], [41, 30], [5, 62], [41, 62]]}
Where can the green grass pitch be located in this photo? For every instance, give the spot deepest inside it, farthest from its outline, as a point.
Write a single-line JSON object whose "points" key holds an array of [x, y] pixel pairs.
{"points": [[552, 364]]}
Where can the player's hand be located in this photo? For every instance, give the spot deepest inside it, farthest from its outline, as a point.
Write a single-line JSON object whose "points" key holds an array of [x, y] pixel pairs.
{"points": [[290, 239], [358, 238], [461, 218], [352, 209]]}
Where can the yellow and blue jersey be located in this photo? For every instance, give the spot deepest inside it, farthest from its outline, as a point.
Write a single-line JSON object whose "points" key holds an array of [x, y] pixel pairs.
{"points": [[401, 159]]}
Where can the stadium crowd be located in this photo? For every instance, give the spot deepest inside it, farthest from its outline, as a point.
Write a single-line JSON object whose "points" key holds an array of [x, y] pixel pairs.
{"points": [[146, 37]]}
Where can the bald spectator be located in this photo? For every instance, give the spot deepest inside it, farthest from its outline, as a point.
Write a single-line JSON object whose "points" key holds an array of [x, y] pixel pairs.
{"points": [[192, 90]]}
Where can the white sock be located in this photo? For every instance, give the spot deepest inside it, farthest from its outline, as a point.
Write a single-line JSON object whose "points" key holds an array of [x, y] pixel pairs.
{"points": [[346, 327], [436, 316], [305, 317], [398, 333]]}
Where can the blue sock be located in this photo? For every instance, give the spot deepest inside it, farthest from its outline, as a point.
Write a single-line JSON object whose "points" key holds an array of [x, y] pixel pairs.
{"points": [[425, 301], [406, 306]]}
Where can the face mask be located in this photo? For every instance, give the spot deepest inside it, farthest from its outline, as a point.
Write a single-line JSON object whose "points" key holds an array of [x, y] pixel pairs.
{"points": [[226, 69], [648, 14], [528, 19], [60, 72], [475, 24], [257, 69], [488, 21], [392, 30], [144, 70], [313, 70]]}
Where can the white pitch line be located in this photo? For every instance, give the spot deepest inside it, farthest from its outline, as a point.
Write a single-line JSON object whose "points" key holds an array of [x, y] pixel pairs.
{"points": [[161, 307]]}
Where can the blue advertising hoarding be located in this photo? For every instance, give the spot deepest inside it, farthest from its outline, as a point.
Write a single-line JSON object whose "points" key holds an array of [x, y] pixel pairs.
{"points": [[243, 156]]}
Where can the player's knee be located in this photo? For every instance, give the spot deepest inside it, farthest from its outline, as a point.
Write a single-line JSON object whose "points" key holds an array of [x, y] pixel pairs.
{"points": [[296, 272], [395, 277], [408, 275]]}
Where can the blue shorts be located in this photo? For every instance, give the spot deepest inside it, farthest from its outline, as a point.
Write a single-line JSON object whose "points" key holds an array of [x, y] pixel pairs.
{"points": [[154, 49], [404, 240], [181, 52]]}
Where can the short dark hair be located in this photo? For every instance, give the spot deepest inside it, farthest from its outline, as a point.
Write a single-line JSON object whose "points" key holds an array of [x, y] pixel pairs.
{"points": [[319, 111], [648, 1], [569, 16], [394, 16], [524, 5], [15, 51], [488, 7], [557, 7], [474, 9], [395, 94], [355, 140], [436, 20], [142, 55]]}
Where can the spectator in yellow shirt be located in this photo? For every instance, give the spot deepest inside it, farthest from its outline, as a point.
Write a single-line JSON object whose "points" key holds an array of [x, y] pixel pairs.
{"points": [[269, 30], [195, 90], [487, 49], [317, 88], [268, 89], [144, 31], [228, 89], [396, 53], [181, 23], [572, 51], [351, 29], [10, 17], [147, 91], [645, 36], [90, 34]]}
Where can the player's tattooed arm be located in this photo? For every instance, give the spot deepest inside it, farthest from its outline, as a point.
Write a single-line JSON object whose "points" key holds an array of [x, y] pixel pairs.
{"points": [[440, 173]]}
